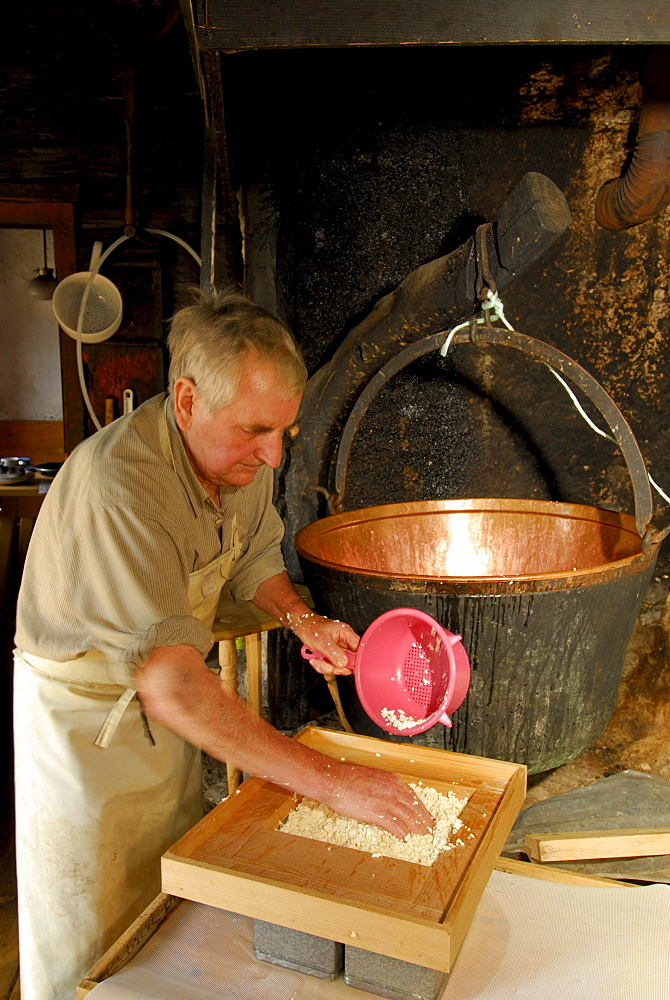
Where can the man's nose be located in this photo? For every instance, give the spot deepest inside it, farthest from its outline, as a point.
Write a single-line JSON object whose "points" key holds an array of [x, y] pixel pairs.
{"points": [[270, 450]]}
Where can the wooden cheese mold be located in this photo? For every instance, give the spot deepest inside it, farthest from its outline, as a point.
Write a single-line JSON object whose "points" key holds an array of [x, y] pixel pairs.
{"points": [[236, 858]]}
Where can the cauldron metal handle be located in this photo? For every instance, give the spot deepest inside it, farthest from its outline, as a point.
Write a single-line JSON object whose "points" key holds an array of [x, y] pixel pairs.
{"points": [[538, 350]]}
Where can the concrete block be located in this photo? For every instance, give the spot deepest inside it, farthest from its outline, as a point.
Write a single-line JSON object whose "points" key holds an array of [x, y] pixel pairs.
{"points": [[391, 977], [297, 950]]}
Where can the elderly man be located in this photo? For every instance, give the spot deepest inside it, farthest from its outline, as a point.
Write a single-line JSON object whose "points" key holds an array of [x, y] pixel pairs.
{"points": [[141, 529]]}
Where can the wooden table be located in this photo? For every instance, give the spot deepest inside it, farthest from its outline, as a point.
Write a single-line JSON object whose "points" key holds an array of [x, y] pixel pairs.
{"points": [[244, 620]]}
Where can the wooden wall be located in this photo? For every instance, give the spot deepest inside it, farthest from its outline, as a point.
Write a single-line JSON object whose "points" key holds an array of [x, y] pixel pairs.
{"points": [[39, 440]]}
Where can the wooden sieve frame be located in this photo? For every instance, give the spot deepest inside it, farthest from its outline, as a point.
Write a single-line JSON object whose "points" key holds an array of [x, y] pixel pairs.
{"points": [[237, 860]]}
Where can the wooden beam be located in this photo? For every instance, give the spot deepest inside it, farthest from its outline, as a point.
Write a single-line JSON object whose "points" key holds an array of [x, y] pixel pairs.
{"points": [[41, 440], [131, 941], [223, 210], [590, 844], [230, 26], [208, 216], [191, 33], [212, 64]]}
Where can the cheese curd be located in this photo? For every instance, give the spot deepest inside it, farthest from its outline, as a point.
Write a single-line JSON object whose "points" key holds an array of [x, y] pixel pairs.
{"points": [[398, 719], [316, 821]]}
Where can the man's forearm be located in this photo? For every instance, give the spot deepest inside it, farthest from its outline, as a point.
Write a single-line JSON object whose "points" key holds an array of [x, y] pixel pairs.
{"points": [[182, 694], [279, 598], [179, 692]]}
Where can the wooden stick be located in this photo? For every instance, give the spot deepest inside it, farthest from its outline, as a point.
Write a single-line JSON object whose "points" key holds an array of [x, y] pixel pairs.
{"points": [[252, 646], [129, 943], [560, 875], [331, 680], [589, 844]]}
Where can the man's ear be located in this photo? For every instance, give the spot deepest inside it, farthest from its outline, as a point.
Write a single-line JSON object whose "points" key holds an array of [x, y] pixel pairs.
{"points": [[183, 394]]}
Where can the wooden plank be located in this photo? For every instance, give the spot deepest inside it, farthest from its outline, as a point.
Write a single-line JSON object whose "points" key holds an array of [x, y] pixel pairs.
{"points": [[252, 646], [37, 192], [381, 931], [229, 25], [458, 919], [208, 217], [9, 947], [130, 942], [237, 859], [322, 869], [17, 515], [590, 844], [559, 875], [427, 762]]}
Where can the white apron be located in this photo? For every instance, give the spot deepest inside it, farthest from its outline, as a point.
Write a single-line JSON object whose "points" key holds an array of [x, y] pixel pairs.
{"points": [[92, 823]]}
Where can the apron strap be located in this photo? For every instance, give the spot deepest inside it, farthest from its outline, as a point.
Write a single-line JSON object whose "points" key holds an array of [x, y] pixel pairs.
{"points": [[111, 723]]}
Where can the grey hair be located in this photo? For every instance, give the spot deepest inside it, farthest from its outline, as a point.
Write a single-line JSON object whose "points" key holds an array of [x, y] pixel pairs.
{"points": [[209, 341]]}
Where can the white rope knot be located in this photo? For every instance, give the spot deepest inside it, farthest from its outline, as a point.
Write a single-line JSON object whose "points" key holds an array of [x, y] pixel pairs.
{"points": [[494, 303]]}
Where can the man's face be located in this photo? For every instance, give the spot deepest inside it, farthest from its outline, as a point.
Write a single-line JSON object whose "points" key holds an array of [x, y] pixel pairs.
{"points": [[228, 448]]}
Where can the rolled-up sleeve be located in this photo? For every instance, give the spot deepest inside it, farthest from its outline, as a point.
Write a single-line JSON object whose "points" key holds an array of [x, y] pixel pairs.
{"points": [[135, 593], [121, 588]]}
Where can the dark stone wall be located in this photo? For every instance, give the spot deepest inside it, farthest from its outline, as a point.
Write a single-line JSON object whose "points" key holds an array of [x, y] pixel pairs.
{"points": [[360, 165]]}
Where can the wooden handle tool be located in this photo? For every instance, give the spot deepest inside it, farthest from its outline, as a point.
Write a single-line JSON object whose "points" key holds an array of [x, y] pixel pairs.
{"points": [[331, 680]]}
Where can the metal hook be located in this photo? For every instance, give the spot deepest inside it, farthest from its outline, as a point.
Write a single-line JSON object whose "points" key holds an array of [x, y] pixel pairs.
{"points": [[484, 279]]}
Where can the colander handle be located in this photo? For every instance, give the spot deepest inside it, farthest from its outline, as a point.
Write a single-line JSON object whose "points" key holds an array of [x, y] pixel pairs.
{"points": [[539, 351], [95, 255], [311, 654]]}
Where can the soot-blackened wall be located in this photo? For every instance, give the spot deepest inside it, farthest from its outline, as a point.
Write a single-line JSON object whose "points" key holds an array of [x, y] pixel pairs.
{"points": [[360, 165], [377, 161]]}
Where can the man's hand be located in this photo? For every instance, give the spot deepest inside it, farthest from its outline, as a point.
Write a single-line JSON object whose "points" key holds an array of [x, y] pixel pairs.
{"points": [[332, 638], [178, 691], [378, 797], [329, 637]]}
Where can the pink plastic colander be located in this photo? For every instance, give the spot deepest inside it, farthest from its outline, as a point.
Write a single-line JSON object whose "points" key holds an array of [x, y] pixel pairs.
{"points": [[410, 667]]}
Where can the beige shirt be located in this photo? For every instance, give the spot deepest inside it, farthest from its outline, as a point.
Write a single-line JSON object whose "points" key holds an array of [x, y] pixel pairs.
{"points": [[120, 530]]}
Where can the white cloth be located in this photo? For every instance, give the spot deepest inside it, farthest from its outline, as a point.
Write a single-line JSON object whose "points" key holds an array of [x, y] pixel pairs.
{"points": [[92, 823], [529, 940]]}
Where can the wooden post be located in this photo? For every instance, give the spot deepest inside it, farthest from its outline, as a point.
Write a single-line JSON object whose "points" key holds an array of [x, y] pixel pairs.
{"points": [[229, 682], [252, 645]]}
